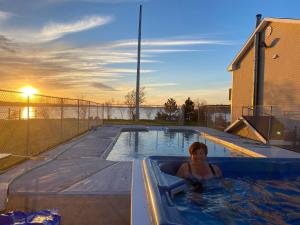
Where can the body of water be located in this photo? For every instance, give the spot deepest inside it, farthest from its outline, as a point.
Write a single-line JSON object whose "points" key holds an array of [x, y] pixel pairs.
{"points": [[139, 144], [113, 112], [242, 201]]}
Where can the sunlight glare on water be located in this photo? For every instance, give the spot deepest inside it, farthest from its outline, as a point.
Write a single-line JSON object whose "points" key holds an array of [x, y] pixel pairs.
{"points": [[25, 115]]}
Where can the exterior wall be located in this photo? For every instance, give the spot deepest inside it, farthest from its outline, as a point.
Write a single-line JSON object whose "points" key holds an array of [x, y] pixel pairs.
{"points": [[282, 67], [242, 85], [278, 82]]}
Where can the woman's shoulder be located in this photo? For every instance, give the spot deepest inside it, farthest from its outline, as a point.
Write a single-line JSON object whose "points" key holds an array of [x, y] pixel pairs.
{"points": [[181, 172], [184, 165], [217, 170]]}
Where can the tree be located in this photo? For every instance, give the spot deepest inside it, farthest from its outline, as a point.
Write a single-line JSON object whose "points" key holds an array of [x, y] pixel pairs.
{"points": [[171, 109], [169, 112], [130, 99], [188, 109]]}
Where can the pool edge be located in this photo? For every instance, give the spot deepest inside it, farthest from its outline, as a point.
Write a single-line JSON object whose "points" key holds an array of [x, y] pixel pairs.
{"points": [[231, 145]]}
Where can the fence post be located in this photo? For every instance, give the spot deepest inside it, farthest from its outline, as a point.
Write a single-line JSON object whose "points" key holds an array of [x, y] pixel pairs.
{"points": [[270, 124], [225, 117], [206, 115], [89, 115], [102, 111], [78, 116], [61, 117], [215, 117], [27, 127], [198, 115], [97, 115]]}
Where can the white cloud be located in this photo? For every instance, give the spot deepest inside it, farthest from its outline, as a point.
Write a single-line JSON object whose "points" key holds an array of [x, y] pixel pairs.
{"points": [[56, 66], [155, 43], [170, 50], [95, 1], [54, 31], [5, 15], [128, 71], [160, 85]]}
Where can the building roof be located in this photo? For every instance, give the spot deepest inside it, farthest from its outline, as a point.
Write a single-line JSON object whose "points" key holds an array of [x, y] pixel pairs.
{"points": [[249, 42]]}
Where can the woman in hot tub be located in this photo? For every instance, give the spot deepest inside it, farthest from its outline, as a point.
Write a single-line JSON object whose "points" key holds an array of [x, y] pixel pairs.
{"points": [[198, 169]]}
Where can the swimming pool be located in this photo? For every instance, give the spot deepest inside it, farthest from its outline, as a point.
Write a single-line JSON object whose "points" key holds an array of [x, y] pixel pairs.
{"points": [[253, 191], [162, 142]]}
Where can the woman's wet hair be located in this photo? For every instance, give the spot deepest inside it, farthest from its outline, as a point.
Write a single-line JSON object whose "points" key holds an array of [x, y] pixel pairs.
{"points": [[196, 146]]}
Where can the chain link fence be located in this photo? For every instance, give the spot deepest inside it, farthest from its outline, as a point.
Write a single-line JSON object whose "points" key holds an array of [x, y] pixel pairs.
{"points": [[32, 124], [214, 116]]}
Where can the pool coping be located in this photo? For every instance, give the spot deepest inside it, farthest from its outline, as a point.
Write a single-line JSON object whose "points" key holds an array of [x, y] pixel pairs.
{"points": [[232, 146], [247, 146]]}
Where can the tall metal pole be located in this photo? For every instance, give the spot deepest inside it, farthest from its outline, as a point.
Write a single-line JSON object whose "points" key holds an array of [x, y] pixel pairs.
{"points": [[137, 97], [28, 126]]}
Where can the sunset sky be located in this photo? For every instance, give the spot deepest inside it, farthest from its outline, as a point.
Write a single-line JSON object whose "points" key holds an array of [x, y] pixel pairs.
{"points": [[88, 48]]}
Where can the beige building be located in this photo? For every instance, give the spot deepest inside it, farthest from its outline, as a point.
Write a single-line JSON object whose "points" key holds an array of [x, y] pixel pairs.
{"points": [[265, 95]]}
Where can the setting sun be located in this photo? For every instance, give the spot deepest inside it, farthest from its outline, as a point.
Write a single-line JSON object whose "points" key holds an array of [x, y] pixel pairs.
{"points": [[28, 91]]}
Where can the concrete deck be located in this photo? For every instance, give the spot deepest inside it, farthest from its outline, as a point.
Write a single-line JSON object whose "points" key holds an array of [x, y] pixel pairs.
{"points": [[247, 146], [76, 179]]}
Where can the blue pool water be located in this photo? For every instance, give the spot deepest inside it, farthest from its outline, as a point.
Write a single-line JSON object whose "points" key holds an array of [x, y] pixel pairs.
{"points": [[139, 144], [242, 201], [251, 191]]}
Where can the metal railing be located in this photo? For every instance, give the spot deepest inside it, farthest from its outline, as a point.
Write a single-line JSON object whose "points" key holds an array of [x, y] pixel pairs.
{"points": [[32, 124], [283, 126], [260, 111]]}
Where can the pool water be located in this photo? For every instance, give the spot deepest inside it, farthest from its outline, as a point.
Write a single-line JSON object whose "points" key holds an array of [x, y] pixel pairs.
{"points": [[139, 144], [242, 201]]}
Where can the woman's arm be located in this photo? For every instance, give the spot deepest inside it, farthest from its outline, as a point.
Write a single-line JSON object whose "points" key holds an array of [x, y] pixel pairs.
{"points": [[181, 172], [217, 171]]}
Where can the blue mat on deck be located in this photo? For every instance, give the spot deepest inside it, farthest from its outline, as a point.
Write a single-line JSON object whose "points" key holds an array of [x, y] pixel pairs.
{"points": [[43, 217]]}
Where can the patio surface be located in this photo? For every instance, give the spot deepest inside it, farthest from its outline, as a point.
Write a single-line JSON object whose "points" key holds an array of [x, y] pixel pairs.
{"points": [[76, 179], [3, 156]]}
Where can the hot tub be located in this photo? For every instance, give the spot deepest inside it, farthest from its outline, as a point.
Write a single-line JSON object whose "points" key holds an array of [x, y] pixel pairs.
{"points": [[251, 190]]}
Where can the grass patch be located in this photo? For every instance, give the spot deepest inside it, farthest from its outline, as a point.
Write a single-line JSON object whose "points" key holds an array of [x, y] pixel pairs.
{"points": [[148, 122], [20, 138], [30, 138]]}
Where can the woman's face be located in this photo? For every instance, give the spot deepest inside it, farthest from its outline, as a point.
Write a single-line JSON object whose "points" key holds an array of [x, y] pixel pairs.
{"points": [[199, 154]]}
